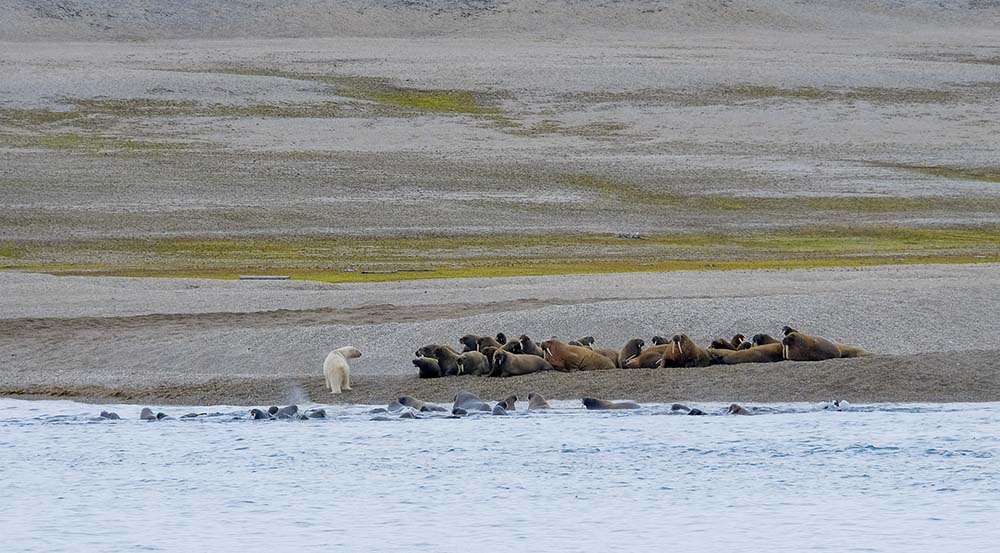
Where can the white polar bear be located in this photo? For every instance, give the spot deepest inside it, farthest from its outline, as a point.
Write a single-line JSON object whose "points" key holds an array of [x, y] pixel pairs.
{"points": [[338, 373]]}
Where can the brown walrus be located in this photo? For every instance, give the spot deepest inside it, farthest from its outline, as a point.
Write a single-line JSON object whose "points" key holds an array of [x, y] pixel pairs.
{"points": [[537, 401], [770, 353], [736, 409], [719, 343], [786, 330], [685, 353], [631, 349], [474, 363], [594, 404], [566, 358], [530, 348], [425, 351], [427, 367], [763, 340], [488, 341], [419, 405], [513, 347], [649, 358], [488, 352], [659, 341], [610, 354], [446, 358], [506, 364], [738, 341], [805, 347]]}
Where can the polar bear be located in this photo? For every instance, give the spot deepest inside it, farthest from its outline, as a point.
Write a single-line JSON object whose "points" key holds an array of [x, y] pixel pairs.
{"points": [[336, 370]]}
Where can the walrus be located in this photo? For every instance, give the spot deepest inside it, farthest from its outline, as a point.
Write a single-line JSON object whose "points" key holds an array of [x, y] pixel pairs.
{"points": [[394, 406], [568, 358], [763, 340], [685, 353], [513, 347], [415, 403], [786, 330], [316, 413], [537, 401], [474, 363], [470, 342], [447, 359], [631, 349], [530, 348], [611, 354], [738, 341], [770, 353], [593, 404], [649, 358], [427, 367], [803, 347], [735, 409], [110, 415], [425, 351], [469, 402], [488, 352], [499, 410], [498, 342], [659, 341], [257, 415], [272, 410], [147, 415], [506, 364], [586, 341], [287, 412], [688, 410], [509, 403], [575, 344], [719, 343]]}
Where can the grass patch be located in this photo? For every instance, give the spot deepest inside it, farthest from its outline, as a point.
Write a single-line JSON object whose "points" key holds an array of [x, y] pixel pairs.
{"points": [[633, 195], [984, 174], [360, 259]]}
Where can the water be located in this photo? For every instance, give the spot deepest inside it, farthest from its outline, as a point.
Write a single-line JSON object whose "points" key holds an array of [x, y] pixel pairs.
{"points": [[795, 478]]}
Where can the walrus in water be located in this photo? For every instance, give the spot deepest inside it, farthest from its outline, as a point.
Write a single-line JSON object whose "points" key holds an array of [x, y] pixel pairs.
{"points": [[685, 353], [537, 401], [474, 363], [257, 415], [804, 347], [593, 404], [109, 415], [469, 401], [147, 415], [509, 403], [763, 340], [631, 349], [415, 403], [689, 410], [568, 358], [499, 410], [427, 367], [771, 353], [735, 409], [649, 358], [530, 348], [506, 364]]}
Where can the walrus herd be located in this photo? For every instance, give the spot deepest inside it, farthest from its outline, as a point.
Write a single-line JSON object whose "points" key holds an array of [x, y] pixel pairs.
{"points": [[497, 356]]}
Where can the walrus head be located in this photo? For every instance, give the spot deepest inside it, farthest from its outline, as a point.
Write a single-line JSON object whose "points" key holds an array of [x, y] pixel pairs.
{"points": [[737, 340], [470, 342], [719, 343], [678, 342], [590, 402], [501, 338], [659, 340], [786, 330], [586, 341], [792, 339], [500, 359], [763, 340]]}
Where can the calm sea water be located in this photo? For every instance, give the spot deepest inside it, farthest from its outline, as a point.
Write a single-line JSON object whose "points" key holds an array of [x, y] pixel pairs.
{"points": [[794, 478]]}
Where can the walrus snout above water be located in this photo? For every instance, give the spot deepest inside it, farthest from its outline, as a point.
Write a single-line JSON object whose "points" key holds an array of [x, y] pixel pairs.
{"points": [[147, 415], [257, 415], [508, 403], [415, 403], [537, 401], [594, 404], [109, 415]]}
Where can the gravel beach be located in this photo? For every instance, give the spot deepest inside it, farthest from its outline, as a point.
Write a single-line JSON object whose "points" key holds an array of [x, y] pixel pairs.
{"points": [[208, 341]]}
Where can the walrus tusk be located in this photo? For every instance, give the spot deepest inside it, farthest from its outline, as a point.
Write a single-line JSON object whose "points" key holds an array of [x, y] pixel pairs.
{"points": [[784, 351]]}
